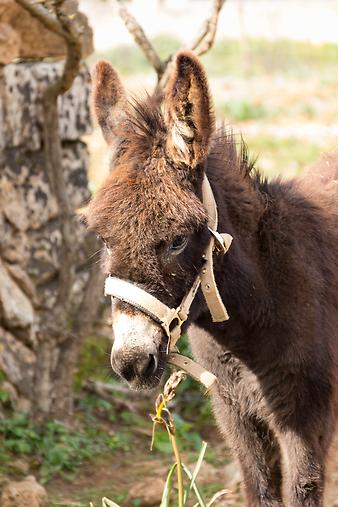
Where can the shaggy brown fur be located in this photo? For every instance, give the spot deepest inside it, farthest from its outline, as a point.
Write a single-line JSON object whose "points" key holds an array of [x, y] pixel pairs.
{"points": [[277, 356]]}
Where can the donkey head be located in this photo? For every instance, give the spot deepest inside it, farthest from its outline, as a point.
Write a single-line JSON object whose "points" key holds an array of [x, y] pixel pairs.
{"points": [[149, 212]]}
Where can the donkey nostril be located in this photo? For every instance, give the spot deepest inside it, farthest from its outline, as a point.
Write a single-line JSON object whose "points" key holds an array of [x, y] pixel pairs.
{"points": [[145, 366]]}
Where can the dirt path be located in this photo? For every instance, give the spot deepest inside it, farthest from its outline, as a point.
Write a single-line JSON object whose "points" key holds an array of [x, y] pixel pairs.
{"points": [[125, 477]]}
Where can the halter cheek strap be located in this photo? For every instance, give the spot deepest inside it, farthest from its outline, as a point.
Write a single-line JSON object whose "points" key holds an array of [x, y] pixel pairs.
{"points": [[172, 319], [219, 243]]}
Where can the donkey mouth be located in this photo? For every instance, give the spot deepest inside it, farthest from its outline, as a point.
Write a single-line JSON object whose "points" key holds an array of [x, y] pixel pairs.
{"points": [[151, 374], [142, 371]]}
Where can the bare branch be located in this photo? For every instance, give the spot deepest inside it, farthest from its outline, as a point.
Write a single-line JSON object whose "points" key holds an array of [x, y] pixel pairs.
{"points": [[107, 391], [206, 38], [164, 68], [63, 25], [163, 81], [208, 33], [53, 151], [74, 52], [142, 41], [111, 389]]}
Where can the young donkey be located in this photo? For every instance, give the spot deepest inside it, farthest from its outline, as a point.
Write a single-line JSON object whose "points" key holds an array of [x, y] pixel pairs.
{"points": [[276, 358]]}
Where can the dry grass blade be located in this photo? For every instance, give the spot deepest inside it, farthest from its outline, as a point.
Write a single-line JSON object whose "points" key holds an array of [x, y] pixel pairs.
{"points": [[205, 40], [218, 495], [167, 488], [164, 417], [201, 502], [196, 471], [109, 503], [163, 68], [137, 32]]}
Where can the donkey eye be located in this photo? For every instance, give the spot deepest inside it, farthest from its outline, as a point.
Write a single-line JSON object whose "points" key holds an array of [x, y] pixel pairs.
{"points": [[100, 238], [179, 243], [106, 244]]}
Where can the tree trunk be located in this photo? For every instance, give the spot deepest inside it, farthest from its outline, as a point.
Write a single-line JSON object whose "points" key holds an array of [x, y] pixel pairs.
{"points": [[44, 314]]}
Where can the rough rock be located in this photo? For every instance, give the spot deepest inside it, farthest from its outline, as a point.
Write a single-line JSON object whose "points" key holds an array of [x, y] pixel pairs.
{"points": [[22, 279], [76, 160], [30, 222], [20, 466], [14, 245], [9, 43], [17, 361], [26, 493], [17, 310], [13, 205], [11, 393], [21, 115], [45, 245], [32, 39], [41, 204]]}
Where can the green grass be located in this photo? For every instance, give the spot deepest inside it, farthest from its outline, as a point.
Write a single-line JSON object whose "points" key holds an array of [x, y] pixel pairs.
{"points": [[53, 449], [232, 57], [243, 110], [260, 56], [130, 60]]}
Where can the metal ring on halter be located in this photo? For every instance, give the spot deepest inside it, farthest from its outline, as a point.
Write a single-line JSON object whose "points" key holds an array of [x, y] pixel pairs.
{"points": [[220, 245], [175, 333]]}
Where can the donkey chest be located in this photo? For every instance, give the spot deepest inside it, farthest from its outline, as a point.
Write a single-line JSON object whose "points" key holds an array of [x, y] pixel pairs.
{"points": [[238, 381]]}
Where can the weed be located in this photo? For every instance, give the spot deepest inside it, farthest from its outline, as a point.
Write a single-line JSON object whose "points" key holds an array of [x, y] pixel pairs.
{"points": [[4, 396], [163, 417], [94, 355], [54, 448]]}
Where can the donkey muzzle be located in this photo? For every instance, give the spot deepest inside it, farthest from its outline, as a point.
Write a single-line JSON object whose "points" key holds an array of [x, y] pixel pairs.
{"points": [[138, 349]]}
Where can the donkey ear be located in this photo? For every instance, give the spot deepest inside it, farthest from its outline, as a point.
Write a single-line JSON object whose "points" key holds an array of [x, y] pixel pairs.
{"points": [[190, 118], [109, 99]]}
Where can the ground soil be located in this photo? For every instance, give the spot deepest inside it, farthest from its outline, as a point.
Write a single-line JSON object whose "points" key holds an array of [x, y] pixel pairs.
{"points": [[123, 476]]}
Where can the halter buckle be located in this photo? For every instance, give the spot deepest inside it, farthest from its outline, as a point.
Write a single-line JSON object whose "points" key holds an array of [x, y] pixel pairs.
{"points": [[175, 315], [220, 246]]}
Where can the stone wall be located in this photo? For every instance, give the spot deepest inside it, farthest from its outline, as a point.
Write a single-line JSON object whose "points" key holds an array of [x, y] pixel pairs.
{"points": [[22, 36], [30, 236]]}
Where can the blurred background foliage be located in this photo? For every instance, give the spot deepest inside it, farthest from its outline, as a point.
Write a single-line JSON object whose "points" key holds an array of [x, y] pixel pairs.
{"points": [[281, 95]]}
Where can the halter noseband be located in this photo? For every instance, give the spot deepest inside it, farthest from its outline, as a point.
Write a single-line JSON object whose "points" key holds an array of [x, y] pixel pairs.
{"points": [[172, 319]]}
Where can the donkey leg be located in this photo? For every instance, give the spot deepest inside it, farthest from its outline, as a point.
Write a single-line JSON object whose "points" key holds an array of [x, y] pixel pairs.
{"points": [[260, 463], [304, 467], [249, 437], [258, 453]]}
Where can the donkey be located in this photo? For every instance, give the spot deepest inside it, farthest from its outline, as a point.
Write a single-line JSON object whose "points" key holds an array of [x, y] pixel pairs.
{"points": [[276, 358]]}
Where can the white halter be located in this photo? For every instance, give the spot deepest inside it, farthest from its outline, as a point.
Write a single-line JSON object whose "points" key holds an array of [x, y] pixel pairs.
{"points": [[172, 319]]}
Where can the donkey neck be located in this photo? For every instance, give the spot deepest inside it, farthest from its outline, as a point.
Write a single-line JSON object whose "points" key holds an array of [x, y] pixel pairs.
{"points": [[240, 206]]}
